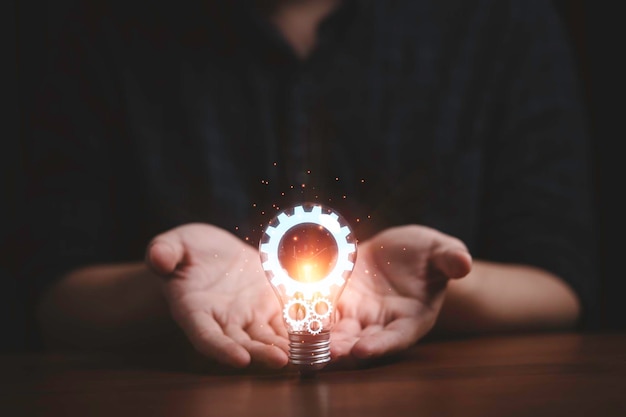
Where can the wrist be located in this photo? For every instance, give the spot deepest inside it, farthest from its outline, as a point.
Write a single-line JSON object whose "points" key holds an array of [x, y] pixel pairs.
{"points": [[102, 306]]}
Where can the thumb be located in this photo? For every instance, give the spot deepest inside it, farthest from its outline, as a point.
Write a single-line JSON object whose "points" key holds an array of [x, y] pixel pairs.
{"points": [[165, 252], [453, 262]]}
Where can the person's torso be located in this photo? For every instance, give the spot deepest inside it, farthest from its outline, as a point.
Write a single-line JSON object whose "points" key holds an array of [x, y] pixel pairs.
{"points": [[385, 122]]}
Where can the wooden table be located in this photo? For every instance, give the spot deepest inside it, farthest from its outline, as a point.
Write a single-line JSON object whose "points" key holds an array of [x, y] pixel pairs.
{"points": [[530, 375]]}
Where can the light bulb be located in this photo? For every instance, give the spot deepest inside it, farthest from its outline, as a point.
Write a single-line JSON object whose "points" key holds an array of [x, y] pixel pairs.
{"points": [[308, 253]]}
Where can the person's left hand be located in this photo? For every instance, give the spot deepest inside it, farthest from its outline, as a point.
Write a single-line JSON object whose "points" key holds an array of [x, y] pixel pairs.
{"points": [[396, 290]]}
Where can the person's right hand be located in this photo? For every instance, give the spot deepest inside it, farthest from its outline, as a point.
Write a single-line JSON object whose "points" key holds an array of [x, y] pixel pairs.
{"points": [[218, 294]]}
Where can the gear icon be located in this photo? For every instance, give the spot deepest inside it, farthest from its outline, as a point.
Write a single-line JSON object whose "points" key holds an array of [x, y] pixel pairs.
{"points": [[330, 221], [312, 319], [297, 324], [322, 304], [314, 326]]}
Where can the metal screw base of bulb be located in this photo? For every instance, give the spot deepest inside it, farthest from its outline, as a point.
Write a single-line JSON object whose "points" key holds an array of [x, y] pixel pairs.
{"points": [[309, 352]]}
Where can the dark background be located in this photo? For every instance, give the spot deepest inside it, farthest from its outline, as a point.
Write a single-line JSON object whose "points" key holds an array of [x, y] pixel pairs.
{"points": [[596, 33]]}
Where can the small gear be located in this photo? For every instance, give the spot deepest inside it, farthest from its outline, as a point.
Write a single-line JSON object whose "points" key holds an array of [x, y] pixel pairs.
{"points": [[314, 310], [314, 326], [295, 323]]}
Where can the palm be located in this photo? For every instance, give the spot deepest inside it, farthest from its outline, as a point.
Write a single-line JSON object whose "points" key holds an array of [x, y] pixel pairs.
{"points": [[220, 297], [396, 290]]}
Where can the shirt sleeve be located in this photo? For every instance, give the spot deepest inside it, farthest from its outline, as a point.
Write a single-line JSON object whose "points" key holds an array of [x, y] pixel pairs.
{"points": [[538, 200]]}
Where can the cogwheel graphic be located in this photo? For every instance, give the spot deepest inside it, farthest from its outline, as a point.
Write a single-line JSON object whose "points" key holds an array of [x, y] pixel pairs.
{"points": [[295, 323], [330, 221], [321, 304], [314, 326]]}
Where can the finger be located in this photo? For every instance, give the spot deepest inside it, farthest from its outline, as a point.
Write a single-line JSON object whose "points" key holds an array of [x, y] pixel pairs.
{"points": [[370, 330], [348, 326], [278, 325], [208, 338], [452, 261], [341, 344], [266, 354], [264, 333], [165, 252], [343, 337], [398, 335]]}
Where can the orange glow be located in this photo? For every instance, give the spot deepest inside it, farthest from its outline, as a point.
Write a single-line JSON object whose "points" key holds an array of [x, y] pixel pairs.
{"points": [[308, 252]]}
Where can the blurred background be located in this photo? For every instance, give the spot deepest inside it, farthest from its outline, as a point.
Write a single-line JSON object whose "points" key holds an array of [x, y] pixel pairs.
{"points": [[595, 31]]}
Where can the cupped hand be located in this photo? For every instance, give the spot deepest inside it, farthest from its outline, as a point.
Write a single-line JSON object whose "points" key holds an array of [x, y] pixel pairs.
{"points": [[396, 290], [218, 294]]}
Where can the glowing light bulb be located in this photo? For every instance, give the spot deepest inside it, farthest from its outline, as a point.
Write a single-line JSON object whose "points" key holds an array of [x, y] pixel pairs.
{"points": [[308, 254]]}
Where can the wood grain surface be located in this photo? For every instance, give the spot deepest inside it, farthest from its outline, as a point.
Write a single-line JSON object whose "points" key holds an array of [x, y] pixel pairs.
{"points": [[528, 375]]}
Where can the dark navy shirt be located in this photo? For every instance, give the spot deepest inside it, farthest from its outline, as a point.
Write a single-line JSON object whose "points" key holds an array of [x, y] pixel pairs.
{"points": [[461, 115]]}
